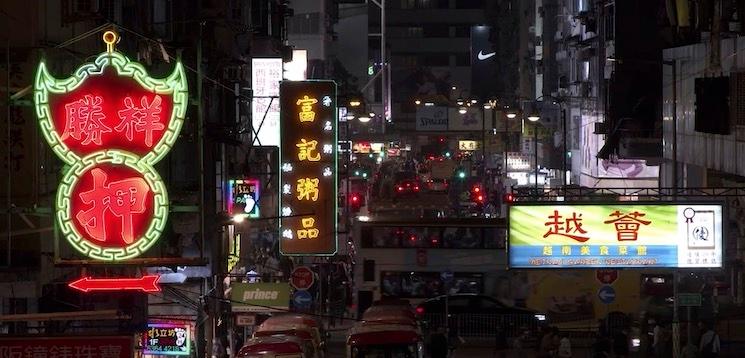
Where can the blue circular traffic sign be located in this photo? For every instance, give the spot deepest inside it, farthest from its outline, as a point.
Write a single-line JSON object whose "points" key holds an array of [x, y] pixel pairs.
{"points": [[302, 299], [607, 294]]}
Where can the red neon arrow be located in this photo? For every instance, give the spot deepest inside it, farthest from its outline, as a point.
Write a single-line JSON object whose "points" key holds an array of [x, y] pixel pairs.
{"points": [[145, 283]]}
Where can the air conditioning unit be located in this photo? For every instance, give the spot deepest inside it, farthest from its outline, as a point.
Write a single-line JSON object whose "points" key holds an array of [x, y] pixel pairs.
{"points": [[601, 128]]}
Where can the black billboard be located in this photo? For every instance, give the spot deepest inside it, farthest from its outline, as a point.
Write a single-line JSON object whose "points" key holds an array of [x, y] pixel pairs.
{"points": [[483, 63]]}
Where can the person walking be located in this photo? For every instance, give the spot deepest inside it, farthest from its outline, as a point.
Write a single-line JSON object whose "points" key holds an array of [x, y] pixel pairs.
{"points": [[709, 346], [565, 346]]}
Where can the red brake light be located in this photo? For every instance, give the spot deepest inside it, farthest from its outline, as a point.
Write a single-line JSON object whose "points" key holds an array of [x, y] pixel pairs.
{"points": [[412, 238], [400, 188], [476, 189], [416, 188], [480, 198], [420, 310], [355, 198]]}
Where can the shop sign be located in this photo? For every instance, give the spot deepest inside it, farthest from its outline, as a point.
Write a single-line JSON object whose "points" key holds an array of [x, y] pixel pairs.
{"points": [[168, 339], [670, 235], [308, 168]]}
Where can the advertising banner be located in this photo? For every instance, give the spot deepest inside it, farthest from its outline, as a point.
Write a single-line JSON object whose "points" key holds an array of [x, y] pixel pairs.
{"points": [[472, 120], [266, 73], [260, 297], [615, 235], [88, 346], [483, 63], [168, 339], [308, 168], [431, 118]]}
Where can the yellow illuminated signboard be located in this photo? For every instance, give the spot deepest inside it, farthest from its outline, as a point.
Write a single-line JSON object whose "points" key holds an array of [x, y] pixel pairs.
{"points": [[616, 235], [308, 167]]}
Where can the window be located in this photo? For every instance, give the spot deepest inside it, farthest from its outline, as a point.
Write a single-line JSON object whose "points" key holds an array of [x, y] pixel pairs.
{"points": [[610, 22], [463, 59], [436, 60], [455, 237], [469, 4], [424, 4], [463, 31], [304, 24], [436, 31], [411, 284]]}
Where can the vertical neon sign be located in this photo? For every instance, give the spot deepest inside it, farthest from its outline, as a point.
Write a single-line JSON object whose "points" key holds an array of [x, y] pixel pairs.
{"points": [[110, 122], [308, 168]]}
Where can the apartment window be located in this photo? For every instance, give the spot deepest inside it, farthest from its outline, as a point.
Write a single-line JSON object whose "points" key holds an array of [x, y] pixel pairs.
{"points": [[304, 24], [469, 4], [436, 31], [610, 22], [424, 4], [463, 59], [414, 31], [436, 60], [463, 31]]}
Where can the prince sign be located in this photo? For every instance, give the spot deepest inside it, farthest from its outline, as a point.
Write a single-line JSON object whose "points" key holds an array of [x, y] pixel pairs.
{"points": [[110, 122]]}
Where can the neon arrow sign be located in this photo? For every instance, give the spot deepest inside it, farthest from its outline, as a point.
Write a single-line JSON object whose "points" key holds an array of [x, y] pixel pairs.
{"points": [[145, 283]]}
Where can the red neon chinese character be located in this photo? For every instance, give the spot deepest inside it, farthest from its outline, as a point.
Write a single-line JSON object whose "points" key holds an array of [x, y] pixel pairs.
{"points": [[123, 198], [84, 120], [567, 227], [140, 119], [627, 225]]}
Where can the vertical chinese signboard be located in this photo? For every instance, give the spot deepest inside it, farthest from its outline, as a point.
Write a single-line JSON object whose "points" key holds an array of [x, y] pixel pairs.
{"points": [[111, 123], [616, 235], [266, 73], [308, 164]]}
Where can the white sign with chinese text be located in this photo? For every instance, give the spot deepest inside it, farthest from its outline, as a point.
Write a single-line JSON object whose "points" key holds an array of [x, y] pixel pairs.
{"points": [[266, 73]]}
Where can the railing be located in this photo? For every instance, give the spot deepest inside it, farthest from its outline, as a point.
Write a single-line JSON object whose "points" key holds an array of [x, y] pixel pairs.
{"points": [[571, 193]]}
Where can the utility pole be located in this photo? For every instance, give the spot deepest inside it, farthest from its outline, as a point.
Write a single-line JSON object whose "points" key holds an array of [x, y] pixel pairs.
{"points": [[385, 70]]}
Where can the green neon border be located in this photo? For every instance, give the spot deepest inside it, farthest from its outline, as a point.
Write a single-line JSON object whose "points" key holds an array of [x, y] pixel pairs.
{"points": [[335, 235], [90, 249], [175, 84]]}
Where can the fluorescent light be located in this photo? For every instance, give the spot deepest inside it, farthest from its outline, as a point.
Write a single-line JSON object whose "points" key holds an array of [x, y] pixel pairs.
{"points": [[429, 104]]}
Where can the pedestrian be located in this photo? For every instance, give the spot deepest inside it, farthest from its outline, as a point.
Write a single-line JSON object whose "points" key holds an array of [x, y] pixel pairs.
{"points": [[621, 343], [709, 346], [565, 346], [546, 346]]}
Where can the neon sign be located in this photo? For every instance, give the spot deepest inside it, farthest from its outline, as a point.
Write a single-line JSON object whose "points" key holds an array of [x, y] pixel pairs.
{"points": [[243, 197], [168, 339], [110, 122], [145, 284], [308, 162]]}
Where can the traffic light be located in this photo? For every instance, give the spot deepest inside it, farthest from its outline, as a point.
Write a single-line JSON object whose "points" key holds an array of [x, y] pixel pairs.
{"points": [[509, 198], [477, 194], [461, 173], [355, 202]]}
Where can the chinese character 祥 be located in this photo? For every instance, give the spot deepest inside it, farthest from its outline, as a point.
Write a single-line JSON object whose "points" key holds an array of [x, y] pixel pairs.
{"points": [[308, 231], [306, 109], [627, 225], [84, 120], [123, 198], [307, 189], [140, 119], [569, 227], [308, 150]]}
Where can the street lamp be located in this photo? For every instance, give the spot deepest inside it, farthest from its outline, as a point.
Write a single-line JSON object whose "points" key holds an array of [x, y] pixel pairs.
{"points": [[355, 103], [417, 102], [462, 110], [459, 101], [511, 112], [363, 119], [534, 117]]}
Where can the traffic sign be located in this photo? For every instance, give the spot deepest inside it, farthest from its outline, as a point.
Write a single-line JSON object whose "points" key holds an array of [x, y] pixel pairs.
{"points": [[606, 277], [689, 299], [245, 320], [446, 275], [302, 278], [607, 294], [302, 299]]}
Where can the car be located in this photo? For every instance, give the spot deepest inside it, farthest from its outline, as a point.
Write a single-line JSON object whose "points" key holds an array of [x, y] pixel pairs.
{"points": [[475, 314], [437, 185], [405, 184]]}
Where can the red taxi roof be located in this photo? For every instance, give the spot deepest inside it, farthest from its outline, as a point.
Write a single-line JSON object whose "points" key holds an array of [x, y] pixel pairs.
{"points": [[302, 334], [294, 318], [273, 344], [384, 337], [376, 311]]}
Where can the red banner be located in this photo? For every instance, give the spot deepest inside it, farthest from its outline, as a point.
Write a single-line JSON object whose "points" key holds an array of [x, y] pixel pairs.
{"points": [[67, 347]]}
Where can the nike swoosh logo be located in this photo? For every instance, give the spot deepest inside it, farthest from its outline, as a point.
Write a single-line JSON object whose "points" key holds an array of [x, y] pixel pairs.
{"points": [[482, 56]]}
